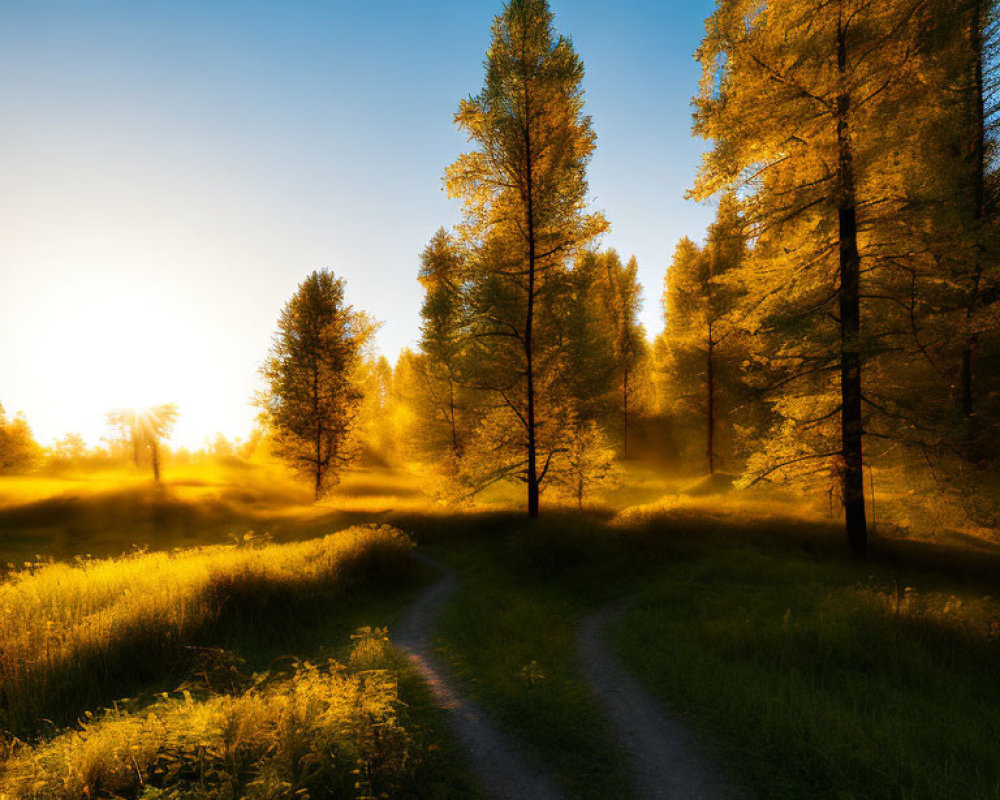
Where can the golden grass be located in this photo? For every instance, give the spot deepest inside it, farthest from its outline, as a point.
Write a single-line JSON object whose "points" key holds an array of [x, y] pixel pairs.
{"points": [[322, 733], [68, 631]]}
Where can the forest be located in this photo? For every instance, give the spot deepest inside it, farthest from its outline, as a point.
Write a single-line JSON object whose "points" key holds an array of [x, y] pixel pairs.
{"points": [[544, 552]]}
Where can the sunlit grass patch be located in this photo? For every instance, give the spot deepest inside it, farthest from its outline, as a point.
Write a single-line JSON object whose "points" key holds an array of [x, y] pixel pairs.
{"points": [[323, 732], [72, 636]]}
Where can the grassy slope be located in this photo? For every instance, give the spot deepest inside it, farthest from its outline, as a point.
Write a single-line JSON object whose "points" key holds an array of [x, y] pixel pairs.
{"points": [[104, 514], [275, 631], [817, 676]]}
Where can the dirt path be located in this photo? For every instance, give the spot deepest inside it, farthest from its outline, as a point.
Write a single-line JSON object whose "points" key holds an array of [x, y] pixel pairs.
{"points": [[504, 770], [667, 763]]}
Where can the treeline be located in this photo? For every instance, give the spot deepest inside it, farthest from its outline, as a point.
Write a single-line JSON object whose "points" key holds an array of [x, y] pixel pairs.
{"points": [[842, 309]]}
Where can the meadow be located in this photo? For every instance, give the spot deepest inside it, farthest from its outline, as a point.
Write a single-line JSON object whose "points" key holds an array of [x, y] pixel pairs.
{"points": [[261, 666]]}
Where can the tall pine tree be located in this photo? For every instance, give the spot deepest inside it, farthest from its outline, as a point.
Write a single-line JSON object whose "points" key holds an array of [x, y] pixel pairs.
{"points": [[524, 186]]}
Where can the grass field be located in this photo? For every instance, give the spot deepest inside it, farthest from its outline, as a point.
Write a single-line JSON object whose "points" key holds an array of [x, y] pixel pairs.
{"points": [[808, 673], [227, 671]]}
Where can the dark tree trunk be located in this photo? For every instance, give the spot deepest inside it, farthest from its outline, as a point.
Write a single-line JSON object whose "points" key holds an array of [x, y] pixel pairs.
{"points": [[977, 172], [850, 324], [710, 385], [318, 484], [532, 476], [155, 451], [625, 413], [710, 369], [451, 411]]}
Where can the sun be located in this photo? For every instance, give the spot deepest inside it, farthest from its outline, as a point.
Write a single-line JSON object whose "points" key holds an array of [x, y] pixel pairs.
{"points": [[131, 350]]}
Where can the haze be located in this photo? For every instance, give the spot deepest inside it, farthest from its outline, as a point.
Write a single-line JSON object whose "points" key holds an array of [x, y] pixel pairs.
{"points": [[171, 171]]}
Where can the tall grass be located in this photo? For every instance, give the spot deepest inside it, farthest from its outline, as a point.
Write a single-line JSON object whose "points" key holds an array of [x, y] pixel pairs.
{"points": [[74, 636], [329, 732]]}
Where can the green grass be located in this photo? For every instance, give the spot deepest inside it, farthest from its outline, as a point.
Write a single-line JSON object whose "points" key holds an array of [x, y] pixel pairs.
{"points": [[812, 674], [825, 680], [510, 637]]}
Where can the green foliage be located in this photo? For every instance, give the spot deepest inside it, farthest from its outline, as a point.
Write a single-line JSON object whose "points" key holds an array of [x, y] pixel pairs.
{"points": [[312, 374]]}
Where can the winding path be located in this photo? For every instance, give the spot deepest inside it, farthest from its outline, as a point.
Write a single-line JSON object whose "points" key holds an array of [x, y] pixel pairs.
{"points": [[667, 762], [505, 771]]}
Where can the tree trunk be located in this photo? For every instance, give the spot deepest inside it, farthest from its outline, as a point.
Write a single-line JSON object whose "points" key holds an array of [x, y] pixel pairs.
{"points": [[625, 413], [155, 450], [451, 410], [977, 159], [532, 477], [710, 385], [850, 323], [318, 485], [710, 367]]}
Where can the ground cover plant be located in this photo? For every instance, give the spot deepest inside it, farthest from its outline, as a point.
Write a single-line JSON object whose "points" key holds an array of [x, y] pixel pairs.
{"points": [[77, 636]]}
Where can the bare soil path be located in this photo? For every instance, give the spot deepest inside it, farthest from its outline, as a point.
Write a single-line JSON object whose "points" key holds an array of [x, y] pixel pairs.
{"points": [[667, 761], [504, 769]]}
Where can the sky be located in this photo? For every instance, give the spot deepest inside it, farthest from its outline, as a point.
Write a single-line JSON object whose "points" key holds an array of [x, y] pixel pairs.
{"points": [[170, 171]]}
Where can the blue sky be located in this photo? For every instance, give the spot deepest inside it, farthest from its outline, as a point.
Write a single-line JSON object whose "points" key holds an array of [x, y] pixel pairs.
{"points": [[172, 170]]}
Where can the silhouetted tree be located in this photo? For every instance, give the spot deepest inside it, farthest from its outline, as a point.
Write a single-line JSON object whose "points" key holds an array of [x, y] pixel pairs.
{"points": [[144, 430]]}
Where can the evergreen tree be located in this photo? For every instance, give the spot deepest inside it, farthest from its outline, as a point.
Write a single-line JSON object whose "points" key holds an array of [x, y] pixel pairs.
{"points": [[704, 349], [524, 187], [621, 294], [795, 96], [312, 373], [442, 339]]}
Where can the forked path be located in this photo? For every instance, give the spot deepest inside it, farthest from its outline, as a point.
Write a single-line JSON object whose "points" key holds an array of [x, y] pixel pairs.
{"points": [[504, 770], [667, 762]]}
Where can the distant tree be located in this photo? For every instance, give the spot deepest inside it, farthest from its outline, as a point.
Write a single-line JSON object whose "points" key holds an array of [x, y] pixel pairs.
{"points": [[623, 302], [524, 186], [145, 430], [376, 422], [703, 347], [591, 370], [221, 447], [70, 449], [587, 462], [312, 395], [18, 449], [442, 339]]}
